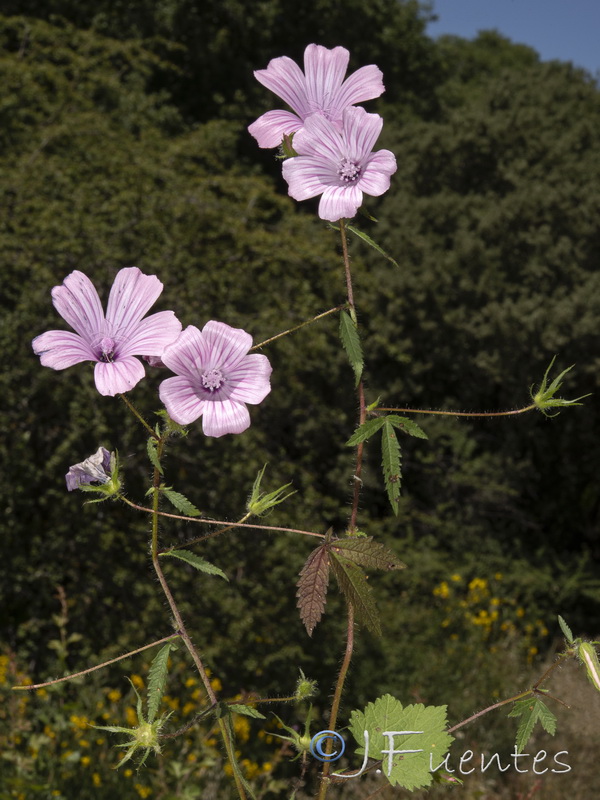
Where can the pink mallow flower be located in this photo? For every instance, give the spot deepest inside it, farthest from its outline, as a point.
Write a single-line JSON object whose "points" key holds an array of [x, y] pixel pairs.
{"points": [[320, 88], [339, 165], [113, 340], [215, 378]]}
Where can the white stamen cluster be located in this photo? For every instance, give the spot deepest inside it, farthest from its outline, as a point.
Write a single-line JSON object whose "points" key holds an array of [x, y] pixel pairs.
{"points": [[349, 171]]}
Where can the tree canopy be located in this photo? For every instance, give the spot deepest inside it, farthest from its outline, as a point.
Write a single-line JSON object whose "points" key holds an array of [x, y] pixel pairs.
{"points": [[123, 141]]}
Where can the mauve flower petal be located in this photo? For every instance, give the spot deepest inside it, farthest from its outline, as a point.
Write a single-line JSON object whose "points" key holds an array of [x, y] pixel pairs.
{"points": [[285, 78], [227, 345], [95, 469], [375, 177], [324, 70], [270, 128], [307, 176], [152, 335], [340, 202], [364, 84], [78, 304], [225, 416], [318, 138], [180, 399], [251, 379], [361, 131], [116, 377], [61, 349], [131, 296], [185, 355]]}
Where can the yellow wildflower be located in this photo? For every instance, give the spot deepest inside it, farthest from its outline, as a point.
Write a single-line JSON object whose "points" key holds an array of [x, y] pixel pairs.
{"points": [[137, 681]]}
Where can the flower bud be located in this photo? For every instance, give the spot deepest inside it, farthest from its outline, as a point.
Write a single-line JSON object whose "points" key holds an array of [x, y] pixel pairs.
{"points": [[588, 657]]}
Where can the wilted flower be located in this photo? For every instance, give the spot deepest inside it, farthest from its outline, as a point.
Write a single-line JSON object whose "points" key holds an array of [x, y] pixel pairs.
{"points": [[339, 165], [215, 378], [112, 340], [101, 468], [321, 88]]}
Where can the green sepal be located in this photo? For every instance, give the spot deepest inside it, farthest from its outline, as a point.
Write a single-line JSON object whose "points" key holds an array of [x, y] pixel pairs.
{"points": [[531, 710], [287, 146], [544, 397], [259, 503], [353, 584], [170, 427], [351, 343], [195, 561]]}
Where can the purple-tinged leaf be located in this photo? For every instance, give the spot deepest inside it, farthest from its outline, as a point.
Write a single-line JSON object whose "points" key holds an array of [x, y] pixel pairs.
{"points": [[312, 587], [367, 553], [353, 583]]}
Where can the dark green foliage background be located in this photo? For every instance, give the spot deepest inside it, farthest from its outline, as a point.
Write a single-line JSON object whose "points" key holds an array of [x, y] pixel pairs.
{"points": [[123, 141]]}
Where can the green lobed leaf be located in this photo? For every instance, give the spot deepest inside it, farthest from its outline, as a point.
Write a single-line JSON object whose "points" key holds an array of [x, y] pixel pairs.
{"points": [[157, 680], [407, 425], [246, 711], [565, 629], [531, 710], [365, 431], [153, 454], [196, 561], [371, 243], [368, 553], [180, 502], [353, 583], [351, 342], [390, 460], [312, 587], [409, 770]]}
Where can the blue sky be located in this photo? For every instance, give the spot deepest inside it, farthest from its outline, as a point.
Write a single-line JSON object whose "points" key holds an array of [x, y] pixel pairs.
{"points": [[565, 29]]}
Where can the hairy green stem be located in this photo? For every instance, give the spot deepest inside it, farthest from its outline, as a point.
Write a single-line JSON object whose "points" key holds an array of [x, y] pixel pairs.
{"points": [[98, 666], [534, 690], [341, 679], [228, 525], [337, 697], [180, 625], [297, 327], [138, 416], [457, 413]]}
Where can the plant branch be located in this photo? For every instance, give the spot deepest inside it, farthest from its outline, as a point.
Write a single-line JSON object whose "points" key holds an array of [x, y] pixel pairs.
{"points": [[457, 413], [180, 625], [297, 327], [228, 525], [534, 690], [137, 414], [337, 696], [98, 666]]}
